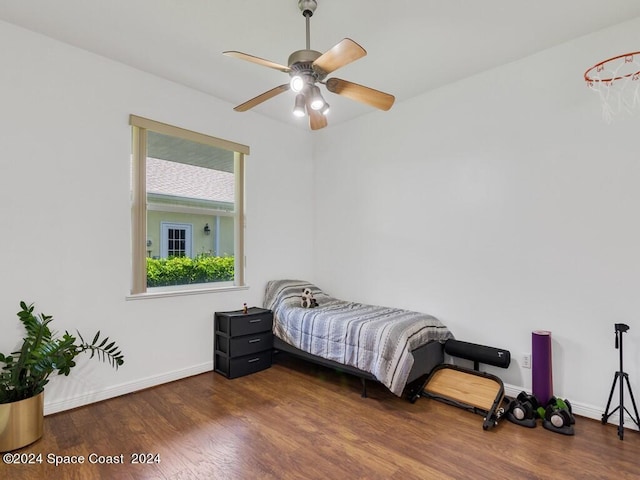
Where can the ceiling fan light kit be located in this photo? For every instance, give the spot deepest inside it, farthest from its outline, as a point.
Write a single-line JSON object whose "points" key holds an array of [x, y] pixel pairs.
{"points": [[307, 68], [298, 109], [297, 83], [316, 100]]}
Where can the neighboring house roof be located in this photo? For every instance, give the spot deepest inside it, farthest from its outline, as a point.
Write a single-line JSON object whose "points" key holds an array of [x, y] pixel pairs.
{"points": [[182, 180]]}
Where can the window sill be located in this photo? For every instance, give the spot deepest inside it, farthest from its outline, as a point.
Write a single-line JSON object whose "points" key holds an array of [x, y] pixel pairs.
{"points": [[160, 292]]}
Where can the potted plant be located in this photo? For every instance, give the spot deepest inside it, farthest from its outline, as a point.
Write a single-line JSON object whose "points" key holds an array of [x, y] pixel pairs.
{"points": [[25, 372]]}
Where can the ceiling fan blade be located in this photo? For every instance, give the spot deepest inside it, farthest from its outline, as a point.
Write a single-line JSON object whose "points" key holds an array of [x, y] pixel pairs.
{"points": [[316, 119], [341, 54], [258, 60], [263, 97], [359, 93]]}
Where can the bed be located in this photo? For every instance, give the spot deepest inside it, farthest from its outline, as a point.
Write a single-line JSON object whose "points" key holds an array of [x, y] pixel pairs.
{"points": [[392, 346]]}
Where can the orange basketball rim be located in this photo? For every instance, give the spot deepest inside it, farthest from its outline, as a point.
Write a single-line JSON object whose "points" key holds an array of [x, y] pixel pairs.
{"points": [[617, 82]]}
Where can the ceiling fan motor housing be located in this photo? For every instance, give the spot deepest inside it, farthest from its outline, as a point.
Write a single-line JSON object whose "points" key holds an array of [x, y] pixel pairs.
{"points": [[301, 63]]}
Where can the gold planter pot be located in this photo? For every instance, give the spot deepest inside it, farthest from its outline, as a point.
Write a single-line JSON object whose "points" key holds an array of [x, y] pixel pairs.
{"points": [[21, 422]]}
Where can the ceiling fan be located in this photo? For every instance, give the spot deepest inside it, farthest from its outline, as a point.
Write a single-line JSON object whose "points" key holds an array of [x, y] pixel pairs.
{"points": [[307, 68]]}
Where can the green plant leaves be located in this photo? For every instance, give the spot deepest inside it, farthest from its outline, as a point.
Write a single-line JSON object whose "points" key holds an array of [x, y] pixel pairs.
{"points": [[109, 352], [25, 373]]}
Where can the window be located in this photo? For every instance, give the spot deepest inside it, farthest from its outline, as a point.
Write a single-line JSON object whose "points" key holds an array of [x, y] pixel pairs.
{"points": [[187, 208], [175, 240]]}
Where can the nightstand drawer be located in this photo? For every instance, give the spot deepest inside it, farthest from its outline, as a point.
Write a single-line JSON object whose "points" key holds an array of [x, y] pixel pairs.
{"points": [[234, 324], [245, 345], [237, 367]]}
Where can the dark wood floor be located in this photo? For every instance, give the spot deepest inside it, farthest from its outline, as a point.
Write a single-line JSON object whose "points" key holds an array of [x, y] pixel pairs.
{"points": [[297, 421]]}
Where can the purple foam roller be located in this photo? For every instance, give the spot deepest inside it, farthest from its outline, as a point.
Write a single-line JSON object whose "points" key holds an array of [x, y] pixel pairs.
{"points": [[542, 373]]}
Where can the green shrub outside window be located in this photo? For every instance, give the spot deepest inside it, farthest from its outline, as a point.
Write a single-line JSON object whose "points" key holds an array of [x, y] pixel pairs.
{"points": [[162, 272]]}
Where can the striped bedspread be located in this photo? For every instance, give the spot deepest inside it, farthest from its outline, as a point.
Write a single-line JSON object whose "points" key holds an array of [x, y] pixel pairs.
{"points": [[375, 339]]}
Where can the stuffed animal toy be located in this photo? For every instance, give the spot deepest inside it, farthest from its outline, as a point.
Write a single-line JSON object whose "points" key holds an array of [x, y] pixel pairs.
{"points": [[307, 300]]}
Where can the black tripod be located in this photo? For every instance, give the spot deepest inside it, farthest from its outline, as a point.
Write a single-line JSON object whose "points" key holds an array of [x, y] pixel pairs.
{"points": [[620, 329]]}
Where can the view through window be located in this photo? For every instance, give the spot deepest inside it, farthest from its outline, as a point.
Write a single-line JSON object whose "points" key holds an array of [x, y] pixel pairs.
{"points": [[188, 208]]}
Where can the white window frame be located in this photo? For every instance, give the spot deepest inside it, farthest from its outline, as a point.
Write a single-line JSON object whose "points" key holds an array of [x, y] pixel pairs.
{"points": [[140, 126]]}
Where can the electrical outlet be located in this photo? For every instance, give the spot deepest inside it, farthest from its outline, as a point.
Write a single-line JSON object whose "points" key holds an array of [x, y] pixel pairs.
{"points": [[526, 360]]}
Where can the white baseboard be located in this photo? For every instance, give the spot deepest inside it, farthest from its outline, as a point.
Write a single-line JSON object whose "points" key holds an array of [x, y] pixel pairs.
{"points": [[582, 410], [86, 399]]}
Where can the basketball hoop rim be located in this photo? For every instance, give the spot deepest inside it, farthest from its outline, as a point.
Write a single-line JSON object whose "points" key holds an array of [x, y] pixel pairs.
{"points": [[588, 79]]}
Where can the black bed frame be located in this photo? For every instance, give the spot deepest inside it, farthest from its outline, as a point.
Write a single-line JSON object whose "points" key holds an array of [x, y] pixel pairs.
{"points": [[426, 358]]}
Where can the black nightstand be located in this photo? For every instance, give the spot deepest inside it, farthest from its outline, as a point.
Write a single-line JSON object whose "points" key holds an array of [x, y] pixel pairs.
{"points": [[242, 341]]}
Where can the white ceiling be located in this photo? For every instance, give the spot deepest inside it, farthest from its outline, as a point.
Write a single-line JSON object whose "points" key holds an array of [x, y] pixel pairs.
{"points": [[413, 46]]}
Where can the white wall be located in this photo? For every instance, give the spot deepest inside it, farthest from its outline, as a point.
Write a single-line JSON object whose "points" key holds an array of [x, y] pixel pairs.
{"points": [[501, 204], [65, 143]]}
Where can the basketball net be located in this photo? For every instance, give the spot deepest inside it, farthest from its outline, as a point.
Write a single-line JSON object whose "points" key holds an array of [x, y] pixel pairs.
{"points": [[617, 82]]}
